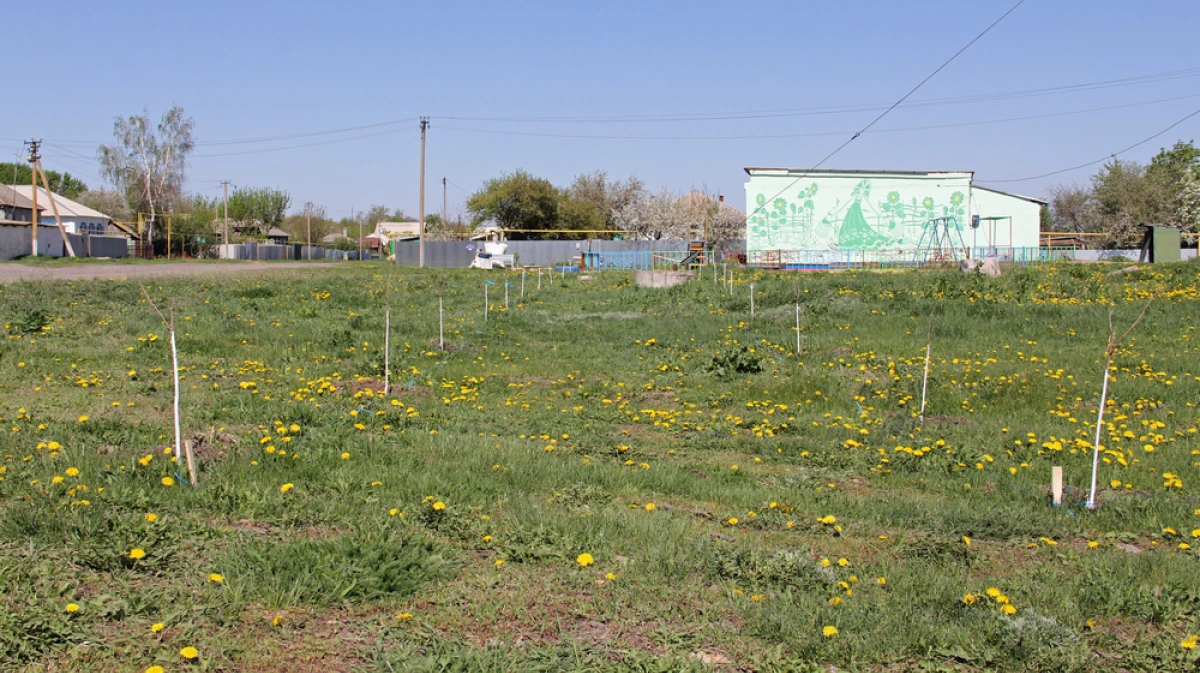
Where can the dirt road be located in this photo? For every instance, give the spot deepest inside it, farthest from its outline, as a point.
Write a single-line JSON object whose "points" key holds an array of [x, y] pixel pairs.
{"points": [[10, 272]]}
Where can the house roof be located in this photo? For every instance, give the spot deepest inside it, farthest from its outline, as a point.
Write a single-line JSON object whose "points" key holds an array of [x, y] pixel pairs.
{"points": [[751, 170], [11, 197], [276, 232], [66, 207]]}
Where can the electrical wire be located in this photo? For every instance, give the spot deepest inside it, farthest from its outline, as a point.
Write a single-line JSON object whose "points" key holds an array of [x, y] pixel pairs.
{"points": [[1093, 163], [893, 107], [843, 109], [818, 134], [293, 147]]}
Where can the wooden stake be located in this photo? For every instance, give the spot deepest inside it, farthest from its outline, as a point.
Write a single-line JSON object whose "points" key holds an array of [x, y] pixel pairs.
{"points": [[441, 326], [925, 381], [191, 462], [1056, 484], [752, 301], [797, 328]]}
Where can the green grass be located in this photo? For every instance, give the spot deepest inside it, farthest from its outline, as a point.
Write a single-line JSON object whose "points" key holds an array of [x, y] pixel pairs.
{"points": [[737, 496]]}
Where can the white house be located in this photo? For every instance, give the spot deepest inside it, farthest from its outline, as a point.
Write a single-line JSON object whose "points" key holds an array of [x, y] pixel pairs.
{"points": [[76, 217]]}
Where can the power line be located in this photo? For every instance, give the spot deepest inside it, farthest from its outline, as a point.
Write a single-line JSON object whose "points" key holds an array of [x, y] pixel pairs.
{"points": [[819, 134], [1149, 78], [893, 107], [844, 109], [1093, 163], [293, 147]]}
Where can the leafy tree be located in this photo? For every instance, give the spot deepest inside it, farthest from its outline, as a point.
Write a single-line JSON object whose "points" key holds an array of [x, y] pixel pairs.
{"points": [[517, 201], [297, 225], [259, 207], [60, 183], [1073, 208], [147, 162], [590, 203]]}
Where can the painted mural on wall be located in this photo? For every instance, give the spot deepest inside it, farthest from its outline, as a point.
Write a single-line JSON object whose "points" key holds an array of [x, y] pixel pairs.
{"points": [[863, 220]]}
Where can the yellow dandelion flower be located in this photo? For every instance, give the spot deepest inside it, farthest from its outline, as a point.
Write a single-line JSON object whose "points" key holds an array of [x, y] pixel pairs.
{"points": [[155, 669], [72, 607], [1188, 643], [829, 631], [189, 652], [404, 616], [1008, 609], [610, 576], [585, 560], [346, 456], [733, 521], [843, 562], [993, 592], [168, 481], [151, 517], [83, 418], [499, 562], [882, 581], [286, 487], [216, 578], [72, 472], [156, 627], [649, 507], [439, 505], [137, 553]]}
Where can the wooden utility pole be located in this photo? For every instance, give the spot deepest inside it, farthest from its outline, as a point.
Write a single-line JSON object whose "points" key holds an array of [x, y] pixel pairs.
{"points": [[33, 146], [308, 226], [421, 230], [444, 220], [35, 166]]}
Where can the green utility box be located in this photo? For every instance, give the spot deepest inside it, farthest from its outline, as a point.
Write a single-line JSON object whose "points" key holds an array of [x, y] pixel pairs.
{"points": [[1160, 244]]}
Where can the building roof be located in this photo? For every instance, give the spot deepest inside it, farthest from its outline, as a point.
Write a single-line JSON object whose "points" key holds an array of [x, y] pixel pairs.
{"points": [[11, 197], [1038, 201], [276, 232], [751, 170], [66, 207]]}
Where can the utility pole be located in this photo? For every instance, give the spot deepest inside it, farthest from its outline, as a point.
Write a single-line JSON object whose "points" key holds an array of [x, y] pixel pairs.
{"points": [[308, 226], [421, 240], [34, 146], [35, 167], [444, 220], [226, 184]]}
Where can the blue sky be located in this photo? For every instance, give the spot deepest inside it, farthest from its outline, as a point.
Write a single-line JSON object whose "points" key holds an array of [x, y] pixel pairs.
{"points": [[573, 76]]}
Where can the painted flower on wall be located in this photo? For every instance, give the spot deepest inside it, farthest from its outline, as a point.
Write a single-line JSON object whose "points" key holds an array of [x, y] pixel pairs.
{"points": [[893, 197], [928, 202], [780, 204], [956, 198]]}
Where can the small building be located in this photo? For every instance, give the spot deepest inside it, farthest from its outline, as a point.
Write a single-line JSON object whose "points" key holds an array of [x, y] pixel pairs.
{"points": [[76, 217], [397, 231], [884, 212], [14, 207], [278, 236]]}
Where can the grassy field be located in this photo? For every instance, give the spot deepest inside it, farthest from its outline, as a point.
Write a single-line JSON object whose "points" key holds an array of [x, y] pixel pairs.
{"points": [[602, 477]]}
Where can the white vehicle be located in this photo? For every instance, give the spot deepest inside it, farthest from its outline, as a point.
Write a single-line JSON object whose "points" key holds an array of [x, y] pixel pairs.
{"points": [[492, 255]]}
